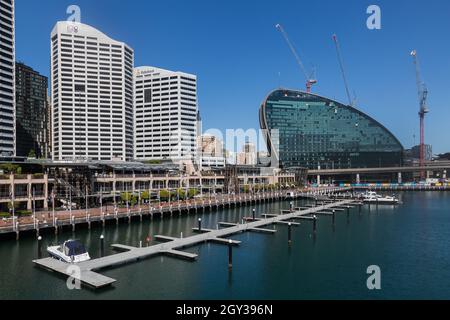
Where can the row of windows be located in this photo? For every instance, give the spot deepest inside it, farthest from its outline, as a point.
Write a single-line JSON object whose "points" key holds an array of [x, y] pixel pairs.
{"points": [[6, 12]]}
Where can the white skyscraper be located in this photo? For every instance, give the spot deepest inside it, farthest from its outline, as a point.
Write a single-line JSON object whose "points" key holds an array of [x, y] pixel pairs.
{"points": [[7, 79], [92, 94], [165, 115]]}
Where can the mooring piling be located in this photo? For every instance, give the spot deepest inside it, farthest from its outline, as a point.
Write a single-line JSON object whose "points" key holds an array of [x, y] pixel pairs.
{"points": [[230, 254], [290, 233], [102, 245], [39, 247]]}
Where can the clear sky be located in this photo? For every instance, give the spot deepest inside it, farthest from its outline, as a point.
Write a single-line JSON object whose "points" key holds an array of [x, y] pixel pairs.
{"points": [[239, 57]]}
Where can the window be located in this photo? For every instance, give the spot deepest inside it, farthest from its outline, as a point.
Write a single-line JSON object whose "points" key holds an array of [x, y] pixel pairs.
{"points": [[148, 95], [80, 88]]}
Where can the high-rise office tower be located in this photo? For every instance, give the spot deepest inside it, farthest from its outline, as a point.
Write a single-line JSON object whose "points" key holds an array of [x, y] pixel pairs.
{"points": [[165, 115], [7, 79], [92, 94], [31, 112]]}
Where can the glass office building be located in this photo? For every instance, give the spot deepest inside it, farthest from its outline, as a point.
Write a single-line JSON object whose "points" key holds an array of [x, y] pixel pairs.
{"points": [[310, 131]]}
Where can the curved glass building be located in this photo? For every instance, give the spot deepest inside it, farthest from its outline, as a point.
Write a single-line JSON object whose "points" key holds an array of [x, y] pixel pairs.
{"points": [[310, 131]]}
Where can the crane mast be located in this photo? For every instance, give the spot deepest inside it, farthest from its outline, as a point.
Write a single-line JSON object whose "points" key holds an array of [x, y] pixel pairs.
{"points": [[423, 96], [310, 81]]}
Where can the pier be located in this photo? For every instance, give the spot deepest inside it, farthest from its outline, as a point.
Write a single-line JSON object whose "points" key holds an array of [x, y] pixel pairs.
{"points": [[57, 220], [172, 246]]}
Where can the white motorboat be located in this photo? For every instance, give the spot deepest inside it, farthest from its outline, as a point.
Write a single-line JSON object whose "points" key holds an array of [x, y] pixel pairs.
{"points": [[290, 195], [71, 251], [381, 200], [370, 195]]}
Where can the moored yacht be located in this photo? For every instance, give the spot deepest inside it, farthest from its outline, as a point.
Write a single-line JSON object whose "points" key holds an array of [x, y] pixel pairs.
{"points": [[370, 195], [290, 195], [71, 251], [381, 200]]}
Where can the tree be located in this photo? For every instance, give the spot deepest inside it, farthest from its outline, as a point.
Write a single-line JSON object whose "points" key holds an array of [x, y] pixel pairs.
{"points": [[125, 196], [128, 197], [181, 193], [16, 205], [32, 154], [164, 195], [9, 168], [145, 195], [193, 193]]}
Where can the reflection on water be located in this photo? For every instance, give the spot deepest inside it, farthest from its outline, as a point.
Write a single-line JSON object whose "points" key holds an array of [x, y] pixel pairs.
{"points": [[408, 242]]}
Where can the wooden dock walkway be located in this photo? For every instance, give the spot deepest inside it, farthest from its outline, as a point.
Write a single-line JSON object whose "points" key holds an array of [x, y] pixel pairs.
{"points": [[172, 246], [95, 216]]}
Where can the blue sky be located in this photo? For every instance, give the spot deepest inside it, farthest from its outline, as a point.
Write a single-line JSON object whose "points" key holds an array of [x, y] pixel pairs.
{"points": [[238, 56]]}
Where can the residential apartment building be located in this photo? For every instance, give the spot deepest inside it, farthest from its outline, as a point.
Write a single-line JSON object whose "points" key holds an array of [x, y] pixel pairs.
{"points": [[31, 113]]}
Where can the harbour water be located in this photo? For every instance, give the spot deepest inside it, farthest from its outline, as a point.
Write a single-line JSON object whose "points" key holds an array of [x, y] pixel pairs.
{"points": [[410, 243]]}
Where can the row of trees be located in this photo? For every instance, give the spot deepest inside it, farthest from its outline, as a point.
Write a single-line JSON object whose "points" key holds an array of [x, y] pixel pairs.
{"points": [[164, 195], [9, 168], [261, 187], [6, 210], [173, 195]]}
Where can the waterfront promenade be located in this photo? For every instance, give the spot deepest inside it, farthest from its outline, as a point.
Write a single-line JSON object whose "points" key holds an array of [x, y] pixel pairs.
{"points": [[101, 215]]}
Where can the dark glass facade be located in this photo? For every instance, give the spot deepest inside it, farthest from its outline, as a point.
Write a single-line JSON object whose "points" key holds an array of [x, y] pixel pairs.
{"points": [[31, 112], [314, 131]]}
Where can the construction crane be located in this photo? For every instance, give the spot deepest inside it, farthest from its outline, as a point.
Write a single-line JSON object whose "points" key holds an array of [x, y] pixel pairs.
{"points": [[341, 65], [310, 79], [423, 96]]}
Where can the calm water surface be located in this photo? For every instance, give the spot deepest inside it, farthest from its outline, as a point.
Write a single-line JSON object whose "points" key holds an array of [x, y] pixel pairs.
{"points": [[410, 243]]}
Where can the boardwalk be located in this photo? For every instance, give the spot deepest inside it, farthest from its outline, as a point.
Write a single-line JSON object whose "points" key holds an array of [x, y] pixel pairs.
{"points": [[88, 270], [59, 219]]}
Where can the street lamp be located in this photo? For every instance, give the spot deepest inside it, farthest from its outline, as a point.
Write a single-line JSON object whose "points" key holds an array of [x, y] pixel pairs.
{"points": [[11, 210], [70, 203], [87, 202], [101, 201], [149, 196], [53, 206], [34, 207], [170, 196], [139, 198], [126, 196]]}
